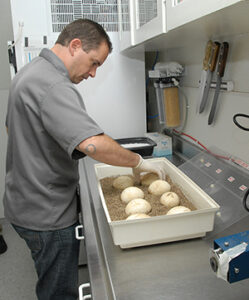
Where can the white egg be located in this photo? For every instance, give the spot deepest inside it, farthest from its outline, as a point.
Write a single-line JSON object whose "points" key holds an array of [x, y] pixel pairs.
{"points": [[148, 178], [170, 199], [178, 210], [158, 187], [131, 193], [137, 216], [136, 206], [122, 182]]}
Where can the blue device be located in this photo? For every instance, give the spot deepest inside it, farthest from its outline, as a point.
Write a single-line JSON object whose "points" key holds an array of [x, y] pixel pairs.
{"points": [[238, 267]]}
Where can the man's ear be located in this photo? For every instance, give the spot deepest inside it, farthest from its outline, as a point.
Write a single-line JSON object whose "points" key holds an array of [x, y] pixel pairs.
{"points": [[74, 46]]}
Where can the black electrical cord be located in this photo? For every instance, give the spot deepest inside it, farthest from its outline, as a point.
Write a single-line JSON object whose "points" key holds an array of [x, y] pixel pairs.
{"points": [[237, 123], [246, 129], [244, 200]]}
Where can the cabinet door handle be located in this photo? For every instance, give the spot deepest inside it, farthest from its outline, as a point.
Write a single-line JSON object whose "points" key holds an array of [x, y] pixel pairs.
{"points": [[77, 233], [81, 292]]}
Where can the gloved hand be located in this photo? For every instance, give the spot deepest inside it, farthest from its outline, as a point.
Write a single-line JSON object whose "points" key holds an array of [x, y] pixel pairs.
{"points": [[147, 166]]}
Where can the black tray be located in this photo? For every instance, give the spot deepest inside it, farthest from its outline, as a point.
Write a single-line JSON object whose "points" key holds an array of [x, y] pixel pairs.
{"points": [[142, 150]]}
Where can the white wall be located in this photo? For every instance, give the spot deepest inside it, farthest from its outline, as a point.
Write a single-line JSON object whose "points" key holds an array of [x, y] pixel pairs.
{"points": [[5, 35], [115, 98], [223, 134], [30, 19]]}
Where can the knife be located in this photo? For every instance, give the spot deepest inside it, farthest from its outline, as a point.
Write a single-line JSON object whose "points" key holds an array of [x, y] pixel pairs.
{"points": [[211, 67], [220, 72], [204, 70]]}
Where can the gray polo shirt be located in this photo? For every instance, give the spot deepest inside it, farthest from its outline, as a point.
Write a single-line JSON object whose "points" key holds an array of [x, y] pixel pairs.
{"points": [[46, 120]]}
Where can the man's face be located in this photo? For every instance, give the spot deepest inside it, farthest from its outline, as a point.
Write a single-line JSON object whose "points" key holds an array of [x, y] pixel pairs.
{"points": [[85, 64]]}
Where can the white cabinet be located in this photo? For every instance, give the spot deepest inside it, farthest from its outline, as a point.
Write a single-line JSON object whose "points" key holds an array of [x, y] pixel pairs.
{"points": [[150, 19], [180, 12], [126, 23], [150, 23]]}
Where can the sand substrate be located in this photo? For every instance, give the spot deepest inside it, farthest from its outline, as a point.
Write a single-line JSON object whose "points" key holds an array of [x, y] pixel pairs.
{"points": [[116, 207]]}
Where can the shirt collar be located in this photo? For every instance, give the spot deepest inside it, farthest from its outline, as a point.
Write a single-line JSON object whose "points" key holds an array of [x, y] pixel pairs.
{"points": [[55, 61]]}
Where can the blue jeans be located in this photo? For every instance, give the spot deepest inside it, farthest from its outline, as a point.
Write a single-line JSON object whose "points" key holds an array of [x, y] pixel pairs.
{"points": [[55, 254]]}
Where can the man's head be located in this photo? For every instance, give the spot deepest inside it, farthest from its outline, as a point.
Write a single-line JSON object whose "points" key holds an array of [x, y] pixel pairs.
{"points": [[83, 46], [89, 32]]}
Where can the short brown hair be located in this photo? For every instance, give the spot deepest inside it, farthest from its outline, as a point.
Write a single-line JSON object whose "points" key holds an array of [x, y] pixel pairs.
{"points": [[89, 32]]}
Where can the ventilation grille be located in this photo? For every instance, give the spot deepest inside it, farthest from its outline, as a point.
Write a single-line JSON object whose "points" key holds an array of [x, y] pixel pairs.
{"points": [[125, 15], [104, 12]]}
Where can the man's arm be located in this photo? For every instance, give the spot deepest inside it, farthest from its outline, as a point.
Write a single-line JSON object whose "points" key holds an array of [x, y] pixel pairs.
{"points": [[105, 149]]}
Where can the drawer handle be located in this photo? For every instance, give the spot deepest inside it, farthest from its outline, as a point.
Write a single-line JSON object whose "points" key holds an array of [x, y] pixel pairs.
{"points": [[81, 292], [77, 232]]}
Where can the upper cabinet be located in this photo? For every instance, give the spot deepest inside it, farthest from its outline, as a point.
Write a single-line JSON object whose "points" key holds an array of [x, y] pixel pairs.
{"points": [[150, 19], [180, 12], [160, 24], [140, 20]]}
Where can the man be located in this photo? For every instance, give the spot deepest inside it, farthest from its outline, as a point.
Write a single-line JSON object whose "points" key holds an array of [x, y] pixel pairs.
{"points": [[49, 129]]}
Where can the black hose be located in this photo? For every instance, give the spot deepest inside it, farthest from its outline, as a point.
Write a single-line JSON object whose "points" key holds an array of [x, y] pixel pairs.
{"points": [[237, 123], [244, 200]]}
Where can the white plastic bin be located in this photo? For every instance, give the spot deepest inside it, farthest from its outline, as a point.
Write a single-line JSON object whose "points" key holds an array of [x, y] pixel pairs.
{"points": [[161, 229]]}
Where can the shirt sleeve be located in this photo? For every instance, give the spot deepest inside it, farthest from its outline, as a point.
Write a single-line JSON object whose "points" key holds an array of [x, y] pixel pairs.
{"points": [[65, 118]]}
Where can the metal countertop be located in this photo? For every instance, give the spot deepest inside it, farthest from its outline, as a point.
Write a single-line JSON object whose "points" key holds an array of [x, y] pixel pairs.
{"points": [[176, 270]]}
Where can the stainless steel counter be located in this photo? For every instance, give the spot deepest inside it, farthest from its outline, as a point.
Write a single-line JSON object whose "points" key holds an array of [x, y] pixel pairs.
{"points": [[177, 270]]}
